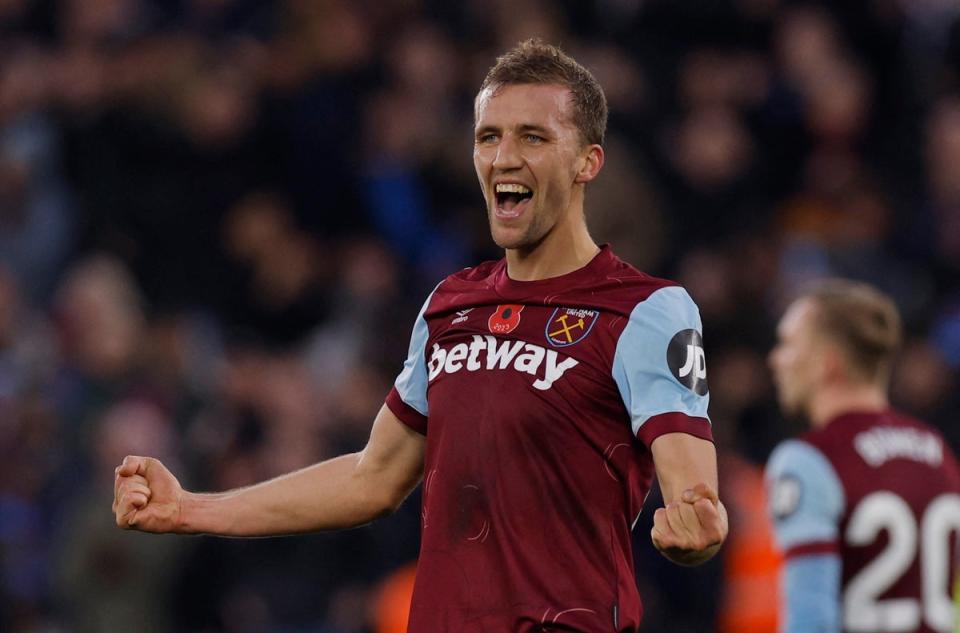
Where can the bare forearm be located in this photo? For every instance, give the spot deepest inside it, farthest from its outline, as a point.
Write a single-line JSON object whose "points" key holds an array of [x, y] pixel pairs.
{"points": [[331, 495], [339, 493], [683, 461], [693, 523]]}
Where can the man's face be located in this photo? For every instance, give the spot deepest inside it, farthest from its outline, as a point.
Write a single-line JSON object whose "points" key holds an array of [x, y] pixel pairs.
{"points": [[796, 360], [527, 153]]}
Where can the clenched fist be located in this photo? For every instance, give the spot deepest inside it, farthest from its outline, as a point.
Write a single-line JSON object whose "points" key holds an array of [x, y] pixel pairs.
{"points": [[691, 529], [146, 496]]}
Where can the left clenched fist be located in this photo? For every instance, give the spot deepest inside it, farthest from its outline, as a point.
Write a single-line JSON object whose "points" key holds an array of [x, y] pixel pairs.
{"points": [[690, 530]]}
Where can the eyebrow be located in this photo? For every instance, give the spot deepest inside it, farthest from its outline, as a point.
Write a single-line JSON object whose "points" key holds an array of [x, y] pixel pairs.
{"points": [[530, 127], [522, 128]]}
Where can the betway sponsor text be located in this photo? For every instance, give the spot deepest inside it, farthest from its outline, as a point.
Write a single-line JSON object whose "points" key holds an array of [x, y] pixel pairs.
{"points": [[490, 353]]}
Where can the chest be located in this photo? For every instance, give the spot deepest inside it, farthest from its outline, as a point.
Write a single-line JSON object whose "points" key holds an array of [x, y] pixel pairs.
{"points": [[514, 371], [536, 347]]}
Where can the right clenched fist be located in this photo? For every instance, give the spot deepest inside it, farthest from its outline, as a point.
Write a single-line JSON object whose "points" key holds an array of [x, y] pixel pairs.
{"points": [[146, 496]]}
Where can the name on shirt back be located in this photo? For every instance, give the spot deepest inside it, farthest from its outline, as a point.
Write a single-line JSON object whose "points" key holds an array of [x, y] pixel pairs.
{"points": [[879, 445]]}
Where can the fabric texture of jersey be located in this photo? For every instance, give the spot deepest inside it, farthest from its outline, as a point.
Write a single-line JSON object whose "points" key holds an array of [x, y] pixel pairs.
{"points": [[881, 491], [539, 401]]}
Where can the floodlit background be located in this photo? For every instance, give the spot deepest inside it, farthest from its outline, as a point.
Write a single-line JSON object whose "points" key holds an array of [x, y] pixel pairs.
{"points": [[218, 219]]}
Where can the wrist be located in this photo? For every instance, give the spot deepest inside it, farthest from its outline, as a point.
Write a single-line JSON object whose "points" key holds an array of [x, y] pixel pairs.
{"points": [[189, 512], [207, 513], [690, 558]]}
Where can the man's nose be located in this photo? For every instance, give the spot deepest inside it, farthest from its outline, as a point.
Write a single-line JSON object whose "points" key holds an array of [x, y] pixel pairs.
{"points": [[508, 153]]}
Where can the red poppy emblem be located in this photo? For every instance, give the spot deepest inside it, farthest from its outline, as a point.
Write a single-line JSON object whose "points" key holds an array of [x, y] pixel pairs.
{"points": [[505, 319]]}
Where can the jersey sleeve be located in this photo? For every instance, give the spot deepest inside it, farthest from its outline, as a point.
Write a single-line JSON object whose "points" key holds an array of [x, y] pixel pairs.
{"points": [[660, 368], [811, 594], [408, 397], [805, 499]]}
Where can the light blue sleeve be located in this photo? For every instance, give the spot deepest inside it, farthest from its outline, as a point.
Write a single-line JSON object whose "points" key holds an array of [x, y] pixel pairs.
{"points": [[659, 365], [411, 384], [805, 496], [811, 594]]}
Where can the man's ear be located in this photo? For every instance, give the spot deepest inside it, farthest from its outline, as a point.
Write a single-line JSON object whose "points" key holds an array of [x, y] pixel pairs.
{"points": [[834, 366], [590, 165]]}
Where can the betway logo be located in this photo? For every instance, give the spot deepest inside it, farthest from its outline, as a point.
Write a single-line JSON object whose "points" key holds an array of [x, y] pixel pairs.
{"points": [[488, 352]]}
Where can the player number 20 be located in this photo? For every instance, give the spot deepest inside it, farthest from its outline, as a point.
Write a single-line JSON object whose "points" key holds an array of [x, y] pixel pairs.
{"points": [[862, 607]]}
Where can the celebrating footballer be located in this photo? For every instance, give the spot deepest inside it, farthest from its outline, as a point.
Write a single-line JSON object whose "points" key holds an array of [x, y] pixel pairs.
{"points": [[541, 395]]}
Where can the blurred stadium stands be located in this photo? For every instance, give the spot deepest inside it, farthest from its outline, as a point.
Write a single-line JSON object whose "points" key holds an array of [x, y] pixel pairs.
{"points": [[218, 219]]}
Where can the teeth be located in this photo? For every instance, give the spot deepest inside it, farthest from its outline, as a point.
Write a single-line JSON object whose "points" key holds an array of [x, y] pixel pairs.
{"points": [[509, 187]]}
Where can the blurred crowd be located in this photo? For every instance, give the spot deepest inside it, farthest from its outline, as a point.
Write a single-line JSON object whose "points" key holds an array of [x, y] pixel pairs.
{"points": [[218, 219]]}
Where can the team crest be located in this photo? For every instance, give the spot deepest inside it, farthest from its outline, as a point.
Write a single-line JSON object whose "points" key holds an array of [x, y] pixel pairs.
{"points": [[567, 326], [505, 319]]}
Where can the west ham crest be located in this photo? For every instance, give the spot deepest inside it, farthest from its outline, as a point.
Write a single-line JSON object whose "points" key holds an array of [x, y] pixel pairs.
{"points": [[568, 326]]}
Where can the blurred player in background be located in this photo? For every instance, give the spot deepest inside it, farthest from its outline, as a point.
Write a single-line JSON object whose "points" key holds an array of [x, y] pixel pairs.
{"points": [[541, 394], [866, 505]]}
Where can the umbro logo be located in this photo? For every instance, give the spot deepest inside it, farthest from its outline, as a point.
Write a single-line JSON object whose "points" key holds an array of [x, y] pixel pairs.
{"points": [[461, 316]]}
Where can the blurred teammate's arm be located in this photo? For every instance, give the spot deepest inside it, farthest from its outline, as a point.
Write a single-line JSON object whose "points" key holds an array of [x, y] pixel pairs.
{"points": [[692, 525], [811, 586], [343, 492], [805, 499]]}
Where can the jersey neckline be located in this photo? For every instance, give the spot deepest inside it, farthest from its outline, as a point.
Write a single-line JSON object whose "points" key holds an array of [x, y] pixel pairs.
{"points": [[507, 287], [886, 414]]}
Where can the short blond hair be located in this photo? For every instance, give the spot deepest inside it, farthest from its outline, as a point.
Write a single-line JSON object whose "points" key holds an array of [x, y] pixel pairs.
{"points": [[862, 320], [534, 61]]}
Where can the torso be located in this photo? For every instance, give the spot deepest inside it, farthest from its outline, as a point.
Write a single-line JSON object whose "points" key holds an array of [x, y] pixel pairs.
{"points": [[899, 517], [533, 474]]}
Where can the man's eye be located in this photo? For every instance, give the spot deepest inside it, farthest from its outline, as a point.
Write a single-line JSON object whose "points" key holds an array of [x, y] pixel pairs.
{"points": [[487, 138], [533, 138]]}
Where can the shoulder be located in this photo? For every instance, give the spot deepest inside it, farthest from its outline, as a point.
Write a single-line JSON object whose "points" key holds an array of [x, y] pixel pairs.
{"points": [[665, 322], [465, 288], [643, 296], [804, 494], [609, 284], [475, 274], [923, 438], [797, 455], [921, 426], [666, 304], [635, 287], [661, 335]]}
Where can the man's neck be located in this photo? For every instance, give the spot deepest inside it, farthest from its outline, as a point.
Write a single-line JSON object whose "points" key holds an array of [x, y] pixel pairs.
{"points": [[564, 250], [832, 402]]}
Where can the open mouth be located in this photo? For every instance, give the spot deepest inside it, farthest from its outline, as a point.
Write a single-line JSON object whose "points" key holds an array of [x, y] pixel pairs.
{"points": [[512, 198]]}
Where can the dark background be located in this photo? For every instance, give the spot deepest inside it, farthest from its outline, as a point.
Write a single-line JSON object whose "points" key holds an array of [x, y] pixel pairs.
{"points": [[218, 219]]}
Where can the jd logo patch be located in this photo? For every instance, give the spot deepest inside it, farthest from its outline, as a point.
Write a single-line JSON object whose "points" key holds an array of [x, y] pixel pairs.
{"points": [[567, 326], [687, 361], [505, 319]]}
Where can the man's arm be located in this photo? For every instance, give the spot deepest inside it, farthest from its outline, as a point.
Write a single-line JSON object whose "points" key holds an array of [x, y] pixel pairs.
{"points": [[805, 499], [810, 590], [343, 492], [692, 525]]}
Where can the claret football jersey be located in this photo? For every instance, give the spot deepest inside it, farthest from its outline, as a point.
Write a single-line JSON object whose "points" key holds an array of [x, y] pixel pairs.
{"points": [[881, 491], [539, 401]]}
